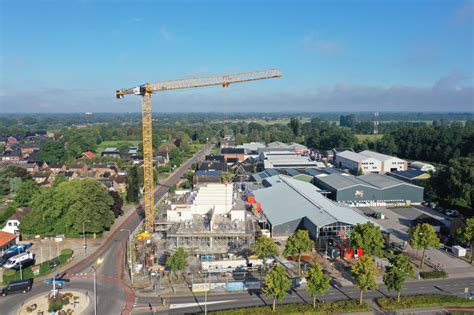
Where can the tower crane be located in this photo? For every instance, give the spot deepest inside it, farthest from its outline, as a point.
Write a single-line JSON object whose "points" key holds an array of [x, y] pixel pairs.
{"points": [[145, 91]]}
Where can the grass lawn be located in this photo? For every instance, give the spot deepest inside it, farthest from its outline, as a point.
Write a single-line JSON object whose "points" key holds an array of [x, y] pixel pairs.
{"points": [[370, 137], [307, 309], [423, 300], [215, 151], [116, 144]]}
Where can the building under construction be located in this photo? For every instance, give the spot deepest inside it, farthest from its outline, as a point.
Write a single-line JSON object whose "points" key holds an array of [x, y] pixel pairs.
{"points": [[211, 220]]}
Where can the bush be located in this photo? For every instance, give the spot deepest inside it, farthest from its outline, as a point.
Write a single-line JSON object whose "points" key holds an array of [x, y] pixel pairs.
{"points": [[65, 255], [7, 213], [57, 304], [345, 306], [433, 274], [10, 275], [423, 300]]}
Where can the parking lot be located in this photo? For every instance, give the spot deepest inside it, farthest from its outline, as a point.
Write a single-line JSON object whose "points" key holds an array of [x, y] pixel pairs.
{"points": [[398, 221]]}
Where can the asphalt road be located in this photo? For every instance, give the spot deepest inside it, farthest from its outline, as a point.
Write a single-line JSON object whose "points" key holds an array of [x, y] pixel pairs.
{"points": [[112, 293], [193, 304]]}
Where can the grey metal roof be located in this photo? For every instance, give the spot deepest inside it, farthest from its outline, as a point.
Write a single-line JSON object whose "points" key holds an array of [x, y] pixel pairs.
{"points": [[352, 156], [382, 181], [290, 199], [291, 172], [339, 181], [377, 155]]}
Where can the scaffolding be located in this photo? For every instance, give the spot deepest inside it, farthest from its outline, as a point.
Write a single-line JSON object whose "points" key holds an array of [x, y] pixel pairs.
{"points": [[212, 234]]}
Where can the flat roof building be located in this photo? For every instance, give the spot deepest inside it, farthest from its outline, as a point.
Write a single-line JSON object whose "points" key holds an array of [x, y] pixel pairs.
{"points": [[375, 189]]}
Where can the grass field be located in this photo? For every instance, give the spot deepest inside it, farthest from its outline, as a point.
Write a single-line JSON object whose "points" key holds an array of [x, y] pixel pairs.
{"points": [[116, 144], [370, 137]]}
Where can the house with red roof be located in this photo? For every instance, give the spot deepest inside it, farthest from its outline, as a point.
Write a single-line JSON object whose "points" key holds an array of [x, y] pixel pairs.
{"points": [[7, 240], [89, 154]]}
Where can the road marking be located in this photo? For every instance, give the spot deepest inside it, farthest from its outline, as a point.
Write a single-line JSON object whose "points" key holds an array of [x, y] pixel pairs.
{"points": [[184, 305]]}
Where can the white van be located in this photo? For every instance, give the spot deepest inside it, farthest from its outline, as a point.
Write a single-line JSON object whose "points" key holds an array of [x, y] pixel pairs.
{"points": [[16, 260]]}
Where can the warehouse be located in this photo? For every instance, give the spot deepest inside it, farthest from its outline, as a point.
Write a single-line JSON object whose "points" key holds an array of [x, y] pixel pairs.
{"points": [[375, 189], [289, 204], [356, 162]]}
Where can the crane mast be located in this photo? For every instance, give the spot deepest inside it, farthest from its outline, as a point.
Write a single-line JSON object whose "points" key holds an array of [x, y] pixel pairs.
{"points": [[145, 92]]}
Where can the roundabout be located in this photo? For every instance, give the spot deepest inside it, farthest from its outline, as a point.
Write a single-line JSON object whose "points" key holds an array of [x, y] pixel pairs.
{"points": [[69, 302]]}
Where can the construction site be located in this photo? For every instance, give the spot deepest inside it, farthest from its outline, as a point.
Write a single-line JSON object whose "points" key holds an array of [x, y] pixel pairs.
{"points": [[211, 220]]}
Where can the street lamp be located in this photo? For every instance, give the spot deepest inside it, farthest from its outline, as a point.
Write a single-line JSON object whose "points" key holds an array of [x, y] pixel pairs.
{"points": [[129, 253], [99, 261], [84, 235]]}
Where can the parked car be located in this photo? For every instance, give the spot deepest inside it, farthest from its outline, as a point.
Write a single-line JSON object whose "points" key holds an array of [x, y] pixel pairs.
{"points": [[17, 287], [54, 263], [16, 260]]}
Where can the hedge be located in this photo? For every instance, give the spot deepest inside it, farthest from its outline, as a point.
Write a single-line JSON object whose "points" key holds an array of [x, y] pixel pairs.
{"points": [[345, 306], [423, 300], [10, 275], [433, 274]]}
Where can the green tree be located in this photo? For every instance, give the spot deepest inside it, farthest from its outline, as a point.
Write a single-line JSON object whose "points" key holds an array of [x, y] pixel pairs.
{"points": [[26, 191], [177, 261], [52, 152], [295, 125], [364, 272], [317, 282], [176, 157], [423, 236], [466, 234], [387, 145], [454, 183], [64, 208], [276, 284], [397, 272], [15, 184], [60, 178], [369, 237], [264, 247], [297, 244], [133, 185]]}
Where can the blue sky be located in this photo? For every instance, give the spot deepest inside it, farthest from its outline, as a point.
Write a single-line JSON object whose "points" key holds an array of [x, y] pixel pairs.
{"points": [[70, 56]]}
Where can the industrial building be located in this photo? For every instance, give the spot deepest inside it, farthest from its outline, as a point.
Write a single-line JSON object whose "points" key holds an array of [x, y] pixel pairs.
{"points": [[389, 163], [374, 189], [289, 204], [209, 220], [367, 162]]}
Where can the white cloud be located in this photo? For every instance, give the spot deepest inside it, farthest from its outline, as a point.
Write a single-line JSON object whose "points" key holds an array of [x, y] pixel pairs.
{"points": [[452, 92]]}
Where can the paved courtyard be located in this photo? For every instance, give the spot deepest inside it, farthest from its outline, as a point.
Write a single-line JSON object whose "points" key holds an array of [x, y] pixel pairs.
{"points": [[398, 221]]}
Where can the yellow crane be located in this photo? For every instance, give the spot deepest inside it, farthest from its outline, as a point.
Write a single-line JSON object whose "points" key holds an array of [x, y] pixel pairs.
{"points": [[145, 92]]}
